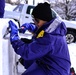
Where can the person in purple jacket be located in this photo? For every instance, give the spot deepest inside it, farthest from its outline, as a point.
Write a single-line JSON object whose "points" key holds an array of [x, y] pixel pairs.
{"points": [[2, 6], [47, 53]]}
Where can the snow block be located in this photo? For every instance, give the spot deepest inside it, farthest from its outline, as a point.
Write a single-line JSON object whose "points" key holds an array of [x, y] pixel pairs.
{"points": [[7, 55]]}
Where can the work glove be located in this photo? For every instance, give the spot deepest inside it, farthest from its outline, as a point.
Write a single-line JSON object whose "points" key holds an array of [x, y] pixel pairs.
{"points": [[27, 26], [14, 31]]}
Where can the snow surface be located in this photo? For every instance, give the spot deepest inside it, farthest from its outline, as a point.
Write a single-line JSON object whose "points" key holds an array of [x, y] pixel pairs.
{"points": [[72, 51], [9, 7]]}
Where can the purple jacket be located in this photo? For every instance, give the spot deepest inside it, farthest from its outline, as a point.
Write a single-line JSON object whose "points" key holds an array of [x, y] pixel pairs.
{"points": [[48, 53], [2, 6]]}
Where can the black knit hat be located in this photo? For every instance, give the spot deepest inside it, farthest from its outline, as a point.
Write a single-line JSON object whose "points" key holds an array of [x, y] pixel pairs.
{"points": [[42, 11]]}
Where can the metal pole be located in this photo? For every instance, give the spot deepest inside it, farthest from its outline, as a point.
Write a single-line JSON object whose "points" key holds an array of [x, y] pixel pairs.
{"points": [[33, 2], [26, 1]]}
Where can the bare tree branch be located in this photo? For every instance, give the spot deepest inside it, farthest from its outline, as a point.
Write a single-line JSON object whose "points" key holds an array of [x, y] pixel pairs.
{"points": [[66, 9]]}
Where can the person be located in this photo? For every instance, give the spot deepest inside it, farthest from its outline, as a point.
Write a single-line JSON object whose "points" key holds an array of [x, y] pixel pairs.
{"points": [[72, 71], [2, 6], [47, 53]]}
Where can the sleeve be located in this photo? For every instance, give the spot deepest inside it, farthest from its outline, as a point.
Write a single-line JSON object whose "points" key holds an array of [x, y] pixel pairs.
{"points": [[34, 50], [26, 63], [2, 6]]}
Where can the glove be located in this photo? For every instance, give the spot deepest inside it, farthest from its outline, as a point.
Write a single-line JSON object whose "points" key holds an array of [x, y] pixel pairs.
{"points": [[27, 26], [14, 32]]}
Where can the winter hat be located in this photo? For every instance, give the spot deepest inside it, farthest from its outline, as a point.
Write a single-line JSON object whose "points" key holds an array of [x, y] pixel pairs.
{"points": [[42, 11]]}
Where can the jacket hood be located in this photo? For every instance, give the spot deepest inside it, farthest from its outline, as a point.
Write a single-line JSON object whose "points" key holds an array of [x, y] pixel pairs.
{"points": [[56, 27]]}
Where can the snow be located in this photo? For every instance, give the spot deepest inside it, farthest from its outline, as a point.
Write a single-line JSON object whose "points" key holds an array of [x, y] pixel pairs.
{"points": [[7, 54], [72, 51], [4, 70], [9, 7]]}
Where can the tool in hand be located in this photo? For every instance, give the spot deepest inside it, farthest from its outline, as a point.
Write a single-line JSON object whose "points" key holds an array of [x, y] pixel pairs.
{"points": [[8, 30]]}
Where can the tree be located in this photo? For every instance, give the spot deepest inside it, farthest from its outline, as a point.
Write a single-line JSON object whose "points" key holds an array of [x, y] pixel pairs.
{"points": [[66, 9], [26, 1], [13, 2]]}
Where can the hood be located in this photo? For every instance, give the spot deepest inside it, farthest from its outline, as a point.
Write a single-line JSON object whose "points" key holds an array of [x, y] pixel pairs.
{"points": [[57, 27]]}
